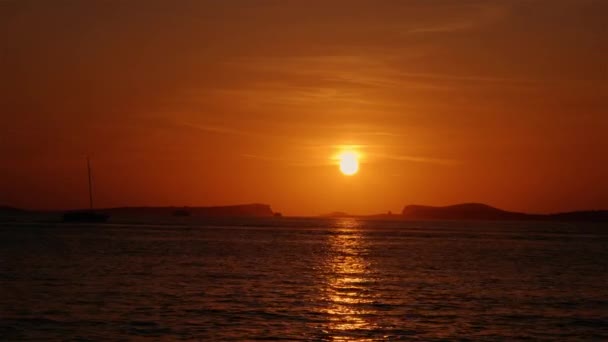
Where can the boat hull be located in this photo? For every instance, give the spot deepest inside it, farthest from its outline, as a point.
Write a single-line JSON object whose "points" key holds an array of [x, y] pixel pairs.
{"points": [[85, 216]]}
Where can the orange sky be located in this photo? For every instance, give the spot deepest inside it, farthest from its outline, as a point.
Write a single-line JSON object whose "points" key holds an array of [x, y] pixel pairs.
{"points": [[225, 102]]}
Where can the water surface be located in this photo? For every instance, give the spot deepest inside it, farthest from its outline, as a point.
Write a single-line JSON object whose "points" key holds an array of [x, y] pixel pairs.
{"points": [[304, 279]]}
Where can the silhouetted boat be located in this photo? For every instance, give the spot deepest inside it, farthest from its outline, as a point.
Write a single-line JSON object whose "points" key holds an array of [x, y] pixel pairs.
{"points": [[86, 215]]}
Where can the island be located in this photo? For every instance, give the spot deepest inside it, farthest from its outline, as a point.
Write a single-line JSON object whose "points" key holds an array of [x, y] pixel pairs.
{"points": [[8, 213], [241, 210], [480, 211]]}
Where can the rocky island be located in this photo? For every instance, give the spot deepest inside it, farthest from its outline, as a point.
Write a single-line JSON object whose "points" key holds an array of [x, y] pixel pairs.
{"points": [[479, 211]]}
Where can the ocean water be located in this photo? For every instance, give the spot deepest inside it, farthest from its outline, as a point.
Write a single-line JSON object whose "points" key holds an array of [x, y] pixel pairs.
{"points": [[304, 279]]}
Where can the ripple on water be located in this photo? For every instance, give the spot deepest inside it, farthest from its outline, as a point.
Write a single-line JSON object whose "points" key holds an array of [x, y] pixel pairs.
{"points": [[345, 280]]}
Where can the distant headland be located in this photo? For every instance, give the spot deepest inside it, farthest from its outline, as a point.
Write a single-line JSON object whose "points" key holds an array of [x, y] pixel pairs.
{"points": [[480, 212], [241, 210], [464, 211]]}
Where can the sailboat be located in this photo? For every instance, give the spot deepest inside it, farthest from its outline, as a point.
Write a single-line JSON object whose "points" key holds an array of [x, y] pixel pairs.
{"points": [[86, 215]]}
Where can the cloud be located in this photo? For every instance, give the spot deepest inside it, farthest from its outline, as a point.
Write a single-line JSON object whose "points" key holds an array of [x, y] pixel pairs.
{"points": [[464, 17], [301, 162], [443, 28], [419, 159], [368, 158], [216, 129]]}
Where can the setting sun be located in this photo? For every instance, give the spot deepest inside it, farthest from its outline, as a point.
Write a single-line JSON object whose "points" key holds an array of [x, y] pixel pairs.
{"points": [[349, 163], [336, 170]]}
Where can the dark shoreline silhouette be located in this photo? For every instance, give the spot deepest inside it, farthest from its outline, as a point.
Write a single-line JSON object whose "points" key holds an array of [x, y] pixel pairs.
{"points": [[479, 211], [242, 210], [84, 216], [463, 212]]}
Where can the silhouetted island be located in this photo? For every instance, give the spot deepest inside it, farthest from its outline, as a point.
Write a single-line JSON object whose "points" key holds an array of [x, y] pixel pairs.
{"points": [[336, 214], [8, 213], [242, 210], [465, 211], [479, 211]]}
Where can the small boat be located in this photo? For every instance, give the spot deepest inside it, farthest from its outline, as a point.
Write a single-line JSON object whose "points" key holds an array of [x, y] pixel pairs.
{"points": [[85, 216], [88, 216]]}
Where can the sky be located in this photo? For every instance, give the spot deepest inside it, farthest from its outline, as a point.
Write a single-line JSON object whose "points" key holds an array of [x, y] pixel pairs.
{"points": [[227, 102]]}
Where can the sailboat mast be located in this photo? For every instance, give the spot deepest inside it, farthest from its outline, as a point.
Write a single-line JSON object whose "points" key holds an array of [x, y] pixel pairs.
{"points": [[90, 184]]}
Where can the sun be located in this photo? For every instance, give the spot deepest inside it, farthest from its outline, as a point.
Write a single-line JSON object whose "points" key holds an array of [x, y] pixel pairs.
{"points": [[349, 163]]}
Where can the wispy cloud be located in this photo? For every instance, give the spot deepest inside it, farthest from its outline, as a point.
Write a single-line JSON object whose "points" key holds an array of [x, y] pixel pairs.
{"points": [[313, 162], [443, 28], [464, 17], [217, 129], [419, 159]]}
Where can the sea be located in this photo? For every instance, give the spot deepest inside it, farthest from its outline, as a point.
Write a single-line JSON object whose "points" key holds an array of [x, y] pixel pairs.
{"points": [[303, 279]]}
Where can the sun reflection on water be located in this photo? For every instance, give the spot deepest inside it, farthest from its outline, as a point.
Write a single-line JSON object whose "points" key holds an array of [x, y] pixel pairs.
{"points": [[348, 294]]}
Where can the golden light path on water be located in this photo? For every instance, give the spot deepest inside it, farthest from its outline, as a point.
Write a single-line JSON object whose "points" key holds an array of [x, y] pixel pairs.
{"points": [[348, 291]]}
